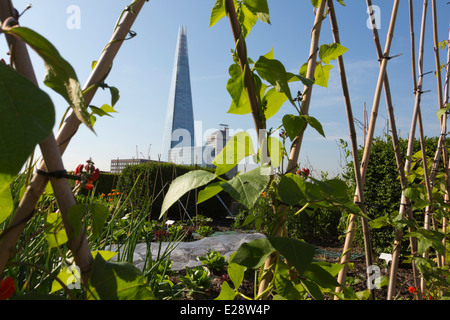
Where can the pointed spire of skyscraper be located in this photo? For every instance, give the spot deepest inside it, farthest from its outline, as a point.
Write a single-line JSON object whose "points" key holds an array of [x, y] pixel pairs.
{"points": [[179, 125]]}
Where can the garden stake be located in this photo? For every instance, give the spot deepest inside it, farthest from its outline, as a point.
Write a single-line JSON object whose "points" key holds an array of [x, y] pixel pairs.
{"points": [[359, 196], [415, 119], [53, 162], [369, 139], [279, 228], [37, 185], [241, 50]]}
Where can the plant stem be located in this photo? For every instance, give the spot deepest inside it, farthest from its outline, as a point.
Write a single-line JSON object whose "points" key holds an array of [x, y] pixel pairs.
{"points": [[279, 227]]}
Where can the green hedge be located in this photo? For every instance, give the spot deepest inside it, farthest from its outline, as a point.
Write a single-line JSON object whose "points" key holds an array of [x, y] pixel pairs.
{"points": [[149, 179], [382, 189]]}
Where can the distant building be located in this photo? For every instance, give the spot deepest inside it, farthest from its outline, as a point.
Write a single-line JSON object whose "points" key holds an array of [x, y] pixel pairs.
{"points": [[179, 123], [117, 165]]}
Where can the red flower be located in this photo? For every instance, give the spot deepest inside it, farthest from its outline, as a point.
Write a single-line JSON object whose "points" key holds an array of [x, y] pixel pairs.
{"points": [[225, 277], [7, 288], [94, 176], [78, 170], [305, 171], [412, 289]]}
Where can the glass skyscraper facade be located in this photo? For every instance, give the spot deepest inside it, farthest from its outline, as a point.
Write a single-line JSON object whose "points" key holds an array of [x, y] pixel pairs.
{"points": [[179, 123]]}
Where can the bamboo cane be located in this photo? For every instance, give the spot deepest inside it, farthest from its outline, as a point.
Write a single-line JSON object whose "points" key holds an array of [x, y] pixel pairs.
{"points": [[416, 118], [359, 196], [248, 78], [53, 162], [447, 198], [369, 140], [279, 228], [37, 185]]}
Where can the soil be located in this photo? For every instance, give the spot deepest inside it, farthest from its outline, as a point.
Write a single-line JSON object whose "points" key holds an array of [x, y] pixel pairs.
{"points": [[358, 272]]}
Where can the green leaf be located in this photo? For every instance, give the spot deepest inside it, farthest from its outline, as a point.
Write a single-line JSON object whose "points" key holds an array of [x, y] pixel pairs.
{"points": [[296, 77], [218, 12], [253, 254], [67, 275], [226, 293], [60, 76], [99, 214], [273, 100], [117, 281], [298, 253], [6, 201], [274, 72], [236, 273], [291, 189], [443, 111], [237, 148], [293, 125], [183, 184], [322, 74], [247, 19], [260, 8], [316, 3], [27, 118], [55, 234], [246, 188], [276, 151], [330, 52], [236, 88], [75, 215], [115, 96], [313, 122], [209, 191], [320, 276]]}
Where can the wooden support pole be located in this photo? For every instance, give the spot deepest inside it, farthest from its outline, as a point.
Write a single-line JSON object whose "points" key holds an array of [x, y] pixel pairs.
{"points": [[37, 185], [368, 144], [359, 195]]}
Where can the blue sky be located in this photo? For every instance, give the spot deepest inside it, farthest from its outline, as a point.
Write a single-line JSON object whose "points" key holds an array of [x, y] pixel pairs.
{"points": [[143, 68]]}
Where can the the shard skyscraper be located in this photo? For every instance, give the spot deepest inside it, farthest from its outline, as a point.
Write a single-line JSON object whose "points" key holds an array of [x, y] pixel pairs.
{"points": [[179, 123]]}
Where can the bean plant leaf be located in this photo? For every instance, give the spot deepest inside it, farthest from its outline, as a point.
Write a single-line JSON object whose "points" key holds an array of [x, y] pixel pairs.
{"points": [[247, 19], [322, 74], [99, 214], [237, 148], [226, 293], [297, 252], [291, 189], [260, 8], [209, 191], [314, 123], [246, 188], [274, 72], [117, 281], [332, 51], [6, 201], [293, 125], [236, 88], [253, 254], [60, 76], [183, 184], [55, 234], [274, 100], [27, 118]]}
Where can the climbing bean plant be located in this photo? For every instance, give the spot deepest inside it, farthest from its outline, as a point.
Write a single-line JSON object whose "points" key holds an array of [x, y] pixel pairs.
{"points": [[295, 273]]}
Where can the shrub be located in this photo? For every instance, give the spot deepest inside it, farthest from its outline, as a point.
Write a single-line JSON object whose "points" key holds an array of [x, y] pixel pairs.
{"points": [[151, 181]]}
